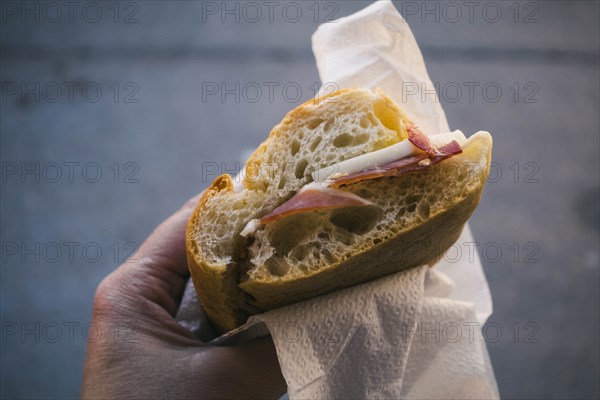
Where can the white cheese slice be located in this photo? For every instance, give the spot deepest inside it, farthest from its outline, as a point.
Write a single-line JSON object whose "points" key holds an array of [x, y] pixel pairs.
{"points": [[442, 139], [380, 157]]}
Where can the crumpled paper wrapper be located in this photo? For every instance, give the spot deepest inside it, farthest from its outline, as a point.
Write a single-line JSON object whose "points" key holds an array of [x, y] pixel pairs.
{"points": [[415, 334]]}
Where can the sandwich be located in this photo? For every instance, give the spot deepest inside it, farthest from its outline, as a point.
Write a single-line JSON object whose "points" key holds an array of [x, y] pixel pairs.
{"points": [[346, 189]]}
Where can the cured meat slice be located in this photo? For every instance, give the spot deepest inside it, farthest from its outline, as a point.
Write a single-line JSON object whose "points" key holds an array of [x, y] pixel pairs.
{"points": [[315, 198], [399, 167]]}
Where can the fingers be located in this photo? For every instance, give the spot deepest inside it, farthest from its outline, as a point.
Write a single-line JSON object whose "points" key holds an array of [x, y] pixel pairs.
{"points": [[167, 242], [267, 380], [250, 370], [159, 271]]}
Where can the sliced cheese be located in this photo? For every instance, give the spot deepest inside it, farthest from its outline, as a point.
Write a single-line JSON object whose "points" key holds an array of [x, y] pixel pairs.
{"points": [[380, 157]]}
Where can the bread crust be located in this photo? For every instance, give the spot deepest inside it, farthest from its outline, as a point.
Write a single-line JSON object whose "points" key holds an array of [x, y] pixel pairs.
{"points": [[215, 284]]}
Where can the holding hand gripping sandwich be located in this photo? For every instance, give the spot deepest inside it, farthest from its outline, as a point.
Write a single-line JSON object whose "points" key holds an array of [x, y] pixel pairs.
{"points": [[345, 190]]}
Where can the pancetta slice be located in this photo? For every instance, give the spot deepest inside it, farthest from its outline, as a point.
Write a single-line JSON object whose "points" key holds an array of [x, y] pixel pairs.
{"points": [[399, 167], [315, 197]]}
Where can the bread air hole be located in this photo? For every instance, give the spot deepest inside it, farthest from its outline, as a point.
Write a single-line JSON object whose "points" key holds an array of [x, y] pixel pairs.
{"points": [[277, 266], [300, 253], [413, 198], [401, 213], [282, 182], [343, 140], [295, 147], [423, 210], [315, 143], [329, 256], [323, 235], [365, 122], [361, 139], [344, 236], [346, 139], [313, 124], [300, 168], [356, 220], [285, 234]]}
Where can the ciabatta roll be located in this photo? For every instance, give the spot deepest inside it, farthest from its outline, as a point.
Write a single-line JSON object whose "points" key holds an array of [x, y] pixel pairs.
{"points": [[344, 190]]}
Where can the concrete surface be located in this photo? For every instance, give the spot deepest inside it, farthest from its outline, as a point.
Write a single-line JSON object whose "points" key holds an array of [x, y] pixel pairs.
{"points": [[545, 218]]}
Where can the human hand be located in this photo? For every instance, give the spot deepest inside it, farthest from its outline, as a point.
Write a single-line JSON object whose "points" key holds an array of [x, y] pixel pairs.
{"points": [[159, 358]]}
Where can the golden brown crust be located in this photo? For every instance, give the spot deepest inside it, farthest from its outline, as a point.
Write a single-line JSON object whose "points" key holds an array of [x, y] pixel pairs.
{"points": [[213, 283]]}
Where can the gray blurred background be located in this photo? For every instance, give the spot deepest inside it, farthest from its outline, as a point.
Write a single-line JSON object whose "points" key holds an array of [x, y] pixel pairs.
{"points": [[107, 126]]}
